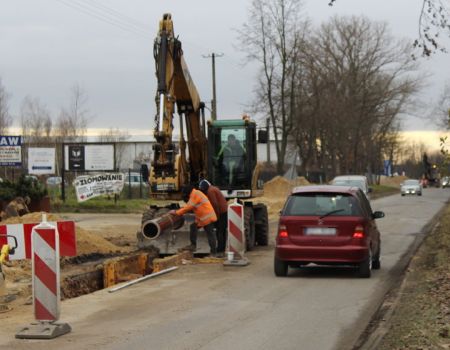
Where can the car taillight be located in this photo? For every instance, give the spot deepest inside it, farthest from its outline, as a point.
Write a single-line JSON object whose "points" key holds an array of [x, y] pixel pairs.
{"points": [[358, 232], [282, 231]]}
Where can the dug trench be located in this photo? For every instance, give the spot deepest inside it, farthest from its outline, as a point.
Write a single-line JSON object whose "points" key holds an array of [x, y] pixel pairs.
{"points": [[99, 264]]}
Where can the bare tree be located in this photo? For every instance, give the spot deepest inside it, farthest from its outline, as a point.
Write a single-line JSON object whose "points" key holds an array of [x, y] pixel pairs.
{"points": [[5, 117], [36, 122], [72, 121], [356, 81], [442, 109], [271, 37], [433, 21], [117, 137]]}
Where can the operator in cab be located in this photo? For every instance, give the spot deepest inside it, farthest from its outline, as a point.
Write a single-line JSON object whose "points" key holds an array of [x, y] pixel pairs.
{"points": [[205, 217], [232, 156]]}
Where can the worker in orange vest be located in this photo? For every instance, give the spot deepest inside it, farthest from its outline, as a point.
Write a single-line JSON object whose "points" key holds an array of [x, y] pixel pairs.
{"points": [[205, 217]]}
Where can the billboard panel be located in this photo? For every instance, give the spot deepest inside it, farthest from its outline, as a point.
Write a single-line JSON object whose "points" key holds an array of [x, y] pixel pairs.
{"points": [[89, 157], [41, 161], [10, 150]]}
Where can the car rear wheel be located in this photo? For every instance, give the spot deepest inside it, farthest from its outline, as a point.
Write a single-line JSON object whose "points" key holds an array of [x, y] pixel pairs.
{"points": [[365, 268], [280, 268], [376, 264]]}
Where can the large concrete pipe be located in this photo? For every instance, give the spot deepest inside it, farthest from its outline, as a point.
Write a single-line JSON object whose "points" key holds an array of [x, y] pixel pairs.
{"points": [[152, 229]]}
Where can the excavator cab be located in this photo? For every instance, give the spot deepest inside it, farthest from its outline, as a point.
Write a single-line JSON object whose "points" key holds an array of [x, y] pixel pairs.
{"points": [[232, 156]]}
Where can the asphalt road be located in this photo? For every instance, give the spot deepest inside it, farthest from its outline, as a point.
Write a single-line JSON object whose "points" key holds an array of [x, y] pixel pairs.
{"points": [[213, 307]]}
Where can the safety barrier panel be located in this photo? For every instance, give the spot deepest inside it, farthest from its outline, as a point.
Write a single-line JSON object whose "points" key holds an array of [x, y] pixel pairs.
{"points": [[22, 233], [45, 248], [236, 236]]}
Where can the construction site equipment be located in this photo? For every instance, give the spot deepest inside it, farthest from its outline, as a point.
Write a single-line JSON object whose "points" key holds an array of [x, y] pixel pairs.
{"points": [[5, 251], [431, 173], [144, 278], [46, 285], [152, 229], [236, 237], [227, 156], [21, 235]]}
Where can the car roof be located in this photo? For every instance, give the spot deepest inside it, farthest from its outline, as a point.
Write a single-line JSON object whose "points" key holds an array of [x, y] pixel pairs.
{"points": [[325, 188], [350, 177]]}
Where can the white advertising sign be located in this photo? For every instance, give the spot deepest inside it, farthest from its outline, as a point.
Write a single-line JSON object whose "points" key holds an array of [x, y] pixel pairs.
{"points": [[87, 187], [41, 161], [99, 157]]}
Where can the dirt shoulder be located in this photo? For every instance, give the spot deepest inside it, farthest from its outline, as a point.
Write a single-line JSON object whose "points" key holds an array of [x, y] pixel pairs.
{"points": [[419, 310]]}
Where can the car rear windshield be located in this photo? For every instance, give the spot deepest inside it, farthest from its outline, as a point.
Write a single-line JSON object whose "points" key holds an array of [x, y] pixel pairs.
{"points": [[352, 183], [312, 204]]}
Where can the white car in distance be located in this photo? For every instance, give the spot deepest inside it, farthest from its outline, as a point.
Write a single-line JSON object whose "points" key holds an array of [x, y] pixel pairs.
{"points": [[353, 181], [411, 186]]}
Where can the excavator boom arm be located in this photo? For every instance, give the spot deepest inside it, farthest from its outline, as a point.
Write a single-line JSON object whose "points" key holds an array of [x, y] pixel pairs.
{"points": [[171, 169]]}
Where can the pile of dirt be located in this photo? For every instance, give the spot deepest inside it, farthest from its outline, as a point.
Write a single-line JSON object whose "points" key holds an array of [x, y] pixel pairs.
{"points": [[280, 186], [392, 181], [276, 192], [18, 272], [87, 242]]}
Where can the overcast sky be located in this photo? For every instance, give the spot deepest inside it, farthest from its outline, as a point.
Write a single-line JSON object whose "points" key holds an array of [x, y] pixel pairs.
{"points": [[46, 46]]}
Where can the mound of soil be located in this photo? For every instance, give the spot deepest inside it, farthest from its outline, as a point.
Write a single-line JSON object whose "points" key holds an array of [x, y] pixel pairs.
{"points": [[87, 242], [280, 186], [18, 272], [276, 192]]}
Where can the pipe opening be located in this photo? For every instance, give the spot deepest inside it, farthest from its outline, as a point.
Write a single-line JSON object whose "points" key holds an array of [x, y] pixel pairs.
{"points": [[150, 230]]}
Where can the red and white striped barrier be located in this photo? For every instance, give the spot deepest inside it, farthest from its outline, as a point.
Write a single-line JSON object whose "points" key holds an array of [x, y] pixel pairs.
{"points": [[236, 236], [22, 232], [45, 249], [45, 267]]}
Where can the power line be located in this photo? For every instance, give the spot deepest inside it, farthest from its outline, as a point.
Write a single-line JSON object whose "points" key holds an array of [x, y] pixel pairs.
{"points": [[104, 17], [116, 13]]}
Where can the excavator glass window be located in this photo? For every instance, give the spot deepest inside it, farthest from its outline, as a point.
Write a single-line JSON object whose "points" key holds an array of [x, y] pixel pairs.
{"points": [[230, 168]]}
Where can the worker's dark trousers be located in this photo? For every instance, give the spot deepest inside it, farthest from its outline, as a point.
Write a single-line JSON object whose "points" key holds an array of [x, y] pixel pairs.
{"points": [[209, 229], [221, 232]]}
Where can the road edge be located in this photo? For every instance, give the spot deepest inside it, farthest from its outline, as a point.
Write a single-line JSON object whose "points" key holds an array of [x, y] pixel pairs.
{"points": [[380, 322]]}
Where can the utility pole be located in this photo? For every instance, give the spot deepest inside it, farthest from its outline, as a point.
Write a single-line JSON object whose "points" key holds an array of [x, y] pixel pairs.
{"points": [[268, 139], [214, 100]]}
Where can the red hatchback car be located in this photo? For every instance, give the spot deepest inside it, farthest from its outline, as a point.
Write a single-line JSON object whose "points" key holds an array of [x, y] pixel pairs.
{"points": [[328, 225]]}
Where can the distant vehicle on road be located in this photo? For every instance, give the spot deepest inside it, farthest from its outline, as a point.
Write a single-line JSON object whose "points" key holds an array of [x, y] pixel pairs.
{"points": [[359, 181], [328, 225], [445, 182], [54, 181], [134, 179], [411, 186]]}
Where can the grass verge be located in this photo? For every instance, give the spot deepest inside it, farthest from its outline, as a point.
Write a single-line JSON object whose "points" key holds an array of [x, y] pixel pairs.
{"points": [[421, 319], [379, 191]]}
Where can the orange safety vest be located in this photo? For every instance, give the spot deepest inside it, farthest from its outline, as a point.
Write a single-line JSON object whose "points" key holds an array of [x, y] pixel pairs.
{"points": [[202, 208]]}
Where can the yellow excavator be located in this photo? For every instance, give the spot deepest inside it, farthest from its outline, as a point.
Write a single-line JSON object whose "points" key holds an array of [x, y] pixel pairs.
{"points": [[196, 155]]}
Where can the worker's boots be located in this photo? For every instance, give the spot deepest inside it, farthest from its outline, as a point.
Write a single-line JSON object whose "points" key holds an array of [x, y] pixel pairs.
{"points": [[190, 247]]}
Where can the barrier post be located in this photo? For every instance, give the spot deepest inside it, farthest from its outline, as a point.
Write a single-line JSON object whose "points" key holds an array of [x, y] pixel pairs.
{"points": [[236, 236], [46, 284]]}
